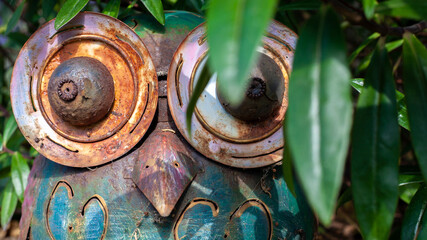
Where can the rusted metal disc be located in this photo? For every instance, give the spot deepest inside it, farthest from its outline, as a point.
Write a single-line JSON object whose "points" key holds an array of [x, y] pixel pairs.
{"points": [[94, 43], [216, 132]]}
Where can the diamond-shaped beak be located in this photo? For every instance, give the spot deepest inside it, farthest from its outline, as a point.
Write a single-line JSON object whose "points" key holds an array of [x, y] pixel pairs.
{"points": [[163, 170]]}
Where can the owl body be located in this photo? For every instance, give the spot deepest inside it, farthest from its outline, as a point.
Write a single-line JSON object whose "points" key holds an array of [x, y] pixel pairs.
{"points": [[164, 187]]}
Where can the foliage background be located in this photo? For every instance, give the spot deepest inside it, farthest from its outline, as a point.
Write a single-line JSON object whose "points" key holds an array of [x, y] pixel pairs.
{"points": [[349, 139]]}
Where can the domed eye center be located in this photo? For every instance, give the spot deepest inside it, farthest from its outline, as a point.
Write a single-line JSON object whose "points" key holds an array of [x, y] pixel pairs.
{"points": [[264, 93], [81, 91]]}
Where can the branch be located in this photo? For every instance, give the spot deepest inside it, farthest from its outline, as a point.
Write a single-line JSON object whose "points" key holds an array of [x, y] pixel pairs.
{"points": [[357, 17]]}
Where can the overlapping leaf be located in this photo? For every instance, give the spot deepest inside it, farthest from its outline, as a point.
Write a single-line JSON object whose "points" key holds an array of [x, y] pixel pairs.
{"points": [[375, 154], [415, 84], [318, 118], [68, 11], [155, 7], [235, 29], [415, 220]]}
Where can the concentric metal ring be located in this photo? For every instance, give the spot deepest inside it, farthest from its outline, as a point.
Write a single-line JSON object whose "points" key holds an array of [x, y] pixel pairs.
{"points": [[121, 51], [231, 141]]}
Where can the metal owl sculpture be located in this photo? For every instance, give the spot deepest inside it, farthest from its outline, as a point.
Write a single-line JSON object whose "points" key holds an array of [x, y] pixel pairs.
{"points": [[104, 103]]}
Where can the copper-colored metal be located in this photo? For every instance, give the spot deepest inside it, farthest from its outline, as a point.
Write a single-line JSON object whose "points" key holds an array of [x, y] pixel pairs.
{"points": [[81, 91], [249, 143], [127, 60], [164, 169]]}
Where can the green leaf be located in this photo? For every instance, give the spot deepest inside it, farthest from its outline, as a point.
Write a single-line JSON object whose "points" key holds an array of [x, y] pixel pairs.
{"points": [[19, 174], [234, 31], [408, 186], [201, 83], [8, 204], [155, 7], [300, 5], [9, 129], [413, 9], [288, 174], [112, 9], [375, 153], [363, 45], [318, 119], [414, 224], [415, 85], [369, 8], [402, 114], [68, 11], [15, 18]]}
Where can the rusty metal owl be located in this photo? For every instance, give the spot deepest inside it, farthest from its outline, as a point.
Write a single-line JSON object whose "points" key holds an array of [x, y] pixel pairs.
{"points": [[104, 102]]}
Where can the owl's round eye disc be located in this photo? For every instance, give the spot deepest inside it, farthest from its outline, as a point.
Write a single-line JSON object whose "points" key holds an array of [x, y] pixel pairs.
{"points": [[249, 135], [85, 94]]}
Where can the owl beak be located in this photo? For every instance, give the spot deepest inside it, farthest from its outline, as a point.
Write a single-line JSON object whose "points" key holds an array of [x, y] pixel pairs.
{"points": [[164, 169]]}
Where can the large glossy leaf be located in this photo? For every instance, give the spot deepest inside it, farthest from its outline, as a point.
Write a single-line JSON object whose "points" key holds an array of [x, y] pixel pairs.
{"points": [[402, 112], [369, 8], [414, 224], [19, 174], [414, 9], [415, 84], [155, 7], [235, 29], [318, 119], [112, 9], [8, 204], [375, 153], [68, 11], [15, 18]]}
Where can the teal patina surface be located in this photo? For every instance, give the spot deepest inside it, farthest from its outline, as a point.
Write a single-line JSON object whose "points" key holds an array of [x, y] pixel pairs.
{"points": [[216, 202], [220, 194]]}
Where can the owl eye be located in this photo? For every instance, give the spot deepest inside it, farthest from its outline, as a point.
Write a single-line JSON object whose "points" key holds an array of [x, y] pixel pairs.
{"points": [[86, 94], [246, 135]]}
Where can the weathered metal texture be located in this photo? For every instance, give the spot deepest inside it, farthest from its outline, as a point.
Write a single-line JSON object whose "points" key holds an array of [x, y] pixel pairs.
{"points": [[164, 169], [121, 199], [220, 202], [216, 133], [162, 41], [81, 91], [121, 51]]}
